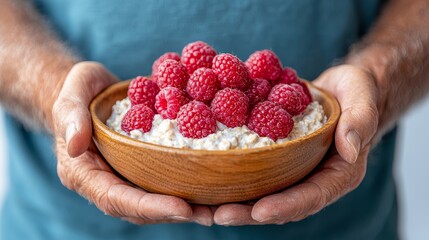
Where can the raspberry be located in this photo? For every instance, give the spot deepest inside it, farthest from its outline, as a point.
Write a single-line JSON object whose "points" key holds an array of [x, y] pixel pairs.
{"points": [[306, 90], [202, 84], [230, 107], [299, 88], [196, 55], [290, 97], [264, 64], [268, 119], [161, 59], [258, 91], [143, 91], [195, 120], [139, 117], [288, 76], [168, 102], [231, 71], [172, 73]]}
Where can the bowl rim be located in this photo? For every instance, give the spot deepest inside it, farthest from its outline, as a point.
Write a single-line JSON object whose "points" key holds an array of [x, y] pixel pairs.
{"points": [[332, 120]]}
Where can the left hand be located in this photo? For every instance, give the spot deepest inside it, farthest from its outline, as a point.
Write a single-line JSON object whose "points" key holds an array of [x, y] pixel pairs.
{"points": [[339, 173]]}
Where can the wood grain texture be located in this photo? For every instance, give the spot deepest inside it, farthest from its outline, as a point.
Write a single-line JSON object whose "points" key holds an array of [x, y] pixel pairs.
{"points": [[210, 177]]}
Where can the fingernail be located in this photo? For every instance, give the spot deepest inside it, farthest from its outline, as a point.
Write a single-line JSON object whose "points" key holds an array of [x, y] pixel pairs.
{"points": [[204, 221], [354, 140], [70, 132], [226, 223], [179, 218]]}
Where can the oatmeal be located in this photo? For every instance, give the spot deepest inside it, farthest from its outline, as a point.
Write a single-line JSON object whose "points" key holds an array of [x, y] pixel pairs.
{"points": [[165, 132]]}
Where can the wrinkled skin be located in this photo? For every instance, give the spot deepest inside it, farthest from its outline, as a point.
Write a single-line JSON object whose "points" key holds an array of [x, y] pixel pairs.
{"points": [[82, 169], [341, 171]]}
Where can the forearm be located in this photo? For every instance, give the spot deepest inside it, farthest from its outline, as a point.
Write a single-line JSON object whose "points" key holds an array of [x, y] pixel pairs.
{"points": [[396, 52], [33, 64]]}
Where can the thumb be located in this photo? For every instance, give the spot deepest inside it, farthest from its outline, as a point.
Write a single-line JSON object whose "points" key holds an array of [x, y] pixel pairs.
{"points": [[72, 120], [356, 93]]}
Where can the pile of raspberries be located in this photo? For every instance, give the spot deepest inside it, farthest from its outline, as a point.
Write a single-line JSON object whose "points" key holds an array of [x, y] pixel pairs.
{"points": [[202, 87]]}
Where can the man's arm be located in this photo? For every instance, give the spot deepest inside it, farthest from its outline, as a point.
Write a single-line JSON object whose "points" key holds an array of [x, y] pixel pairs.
{"points": [[33, 64], [396, 52]]}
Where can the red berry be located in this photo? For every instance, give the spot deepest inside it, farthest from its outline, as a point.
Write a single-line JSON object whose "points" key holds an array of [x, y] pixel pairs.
{"points": [[288, 76], [290, 97], [195, 120], [230, 107], [143, 91], [172, 73], [161, 59], [306, 90], [202, 84], [268, 119], [299, 88], [168, 102], [264, 64], [139, 117], [196, 55], [231, 71], [258, 91]]}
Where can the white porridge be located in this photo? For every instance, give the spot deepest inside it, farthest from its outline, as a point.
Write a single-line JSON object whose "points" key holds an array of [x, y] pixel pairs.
{"points": [[165, 132]]}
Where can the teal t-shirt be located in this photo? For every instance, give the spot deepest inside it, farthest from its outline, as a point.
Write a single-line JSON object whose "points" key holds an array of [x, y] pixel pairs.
{"points": [[127, 36]]}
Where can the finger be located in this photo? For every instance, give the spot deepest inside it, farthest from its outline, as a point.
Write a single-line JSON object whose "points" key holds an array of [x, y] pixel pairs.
{"points": [[357, 95], [306, 198], [88, 175], [71, 117], [335, 179], [234, 214], [202, 215], [124, 200]]}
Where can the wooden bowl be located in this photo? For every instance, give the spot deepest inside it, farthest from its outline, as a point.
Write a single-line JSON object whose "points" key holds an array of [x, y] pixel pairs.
{"points": [[210, 177]]}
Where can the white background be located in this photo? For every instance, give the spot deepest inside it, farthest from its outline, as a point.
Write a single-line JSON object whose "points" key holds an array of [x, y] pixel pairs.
{"points": [[412, 171]]}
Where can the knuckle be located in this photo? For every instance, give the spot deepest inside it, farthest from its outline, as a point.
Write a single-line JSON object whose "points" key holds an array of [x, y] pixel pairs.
{"points": [[107, 202], [367, 116], [56, 107], [93, 75], [296, 200], [56, 110], [329, 192], [61, 112], [373, 114], [365, 113], [304, 202], [103, 203], [320, 199], [307, 201]]}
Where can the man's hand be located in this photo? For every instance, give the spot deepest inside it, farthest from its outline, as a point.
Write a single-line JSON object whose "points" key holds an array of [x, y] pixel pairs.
{"points": [[341, 171], [81, 168], [388, 73]]}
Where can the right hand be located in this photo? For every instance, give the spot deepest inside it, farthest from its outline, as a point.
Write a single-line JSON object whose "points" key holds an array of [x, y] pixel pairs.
{"points": [[81, 168]]}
